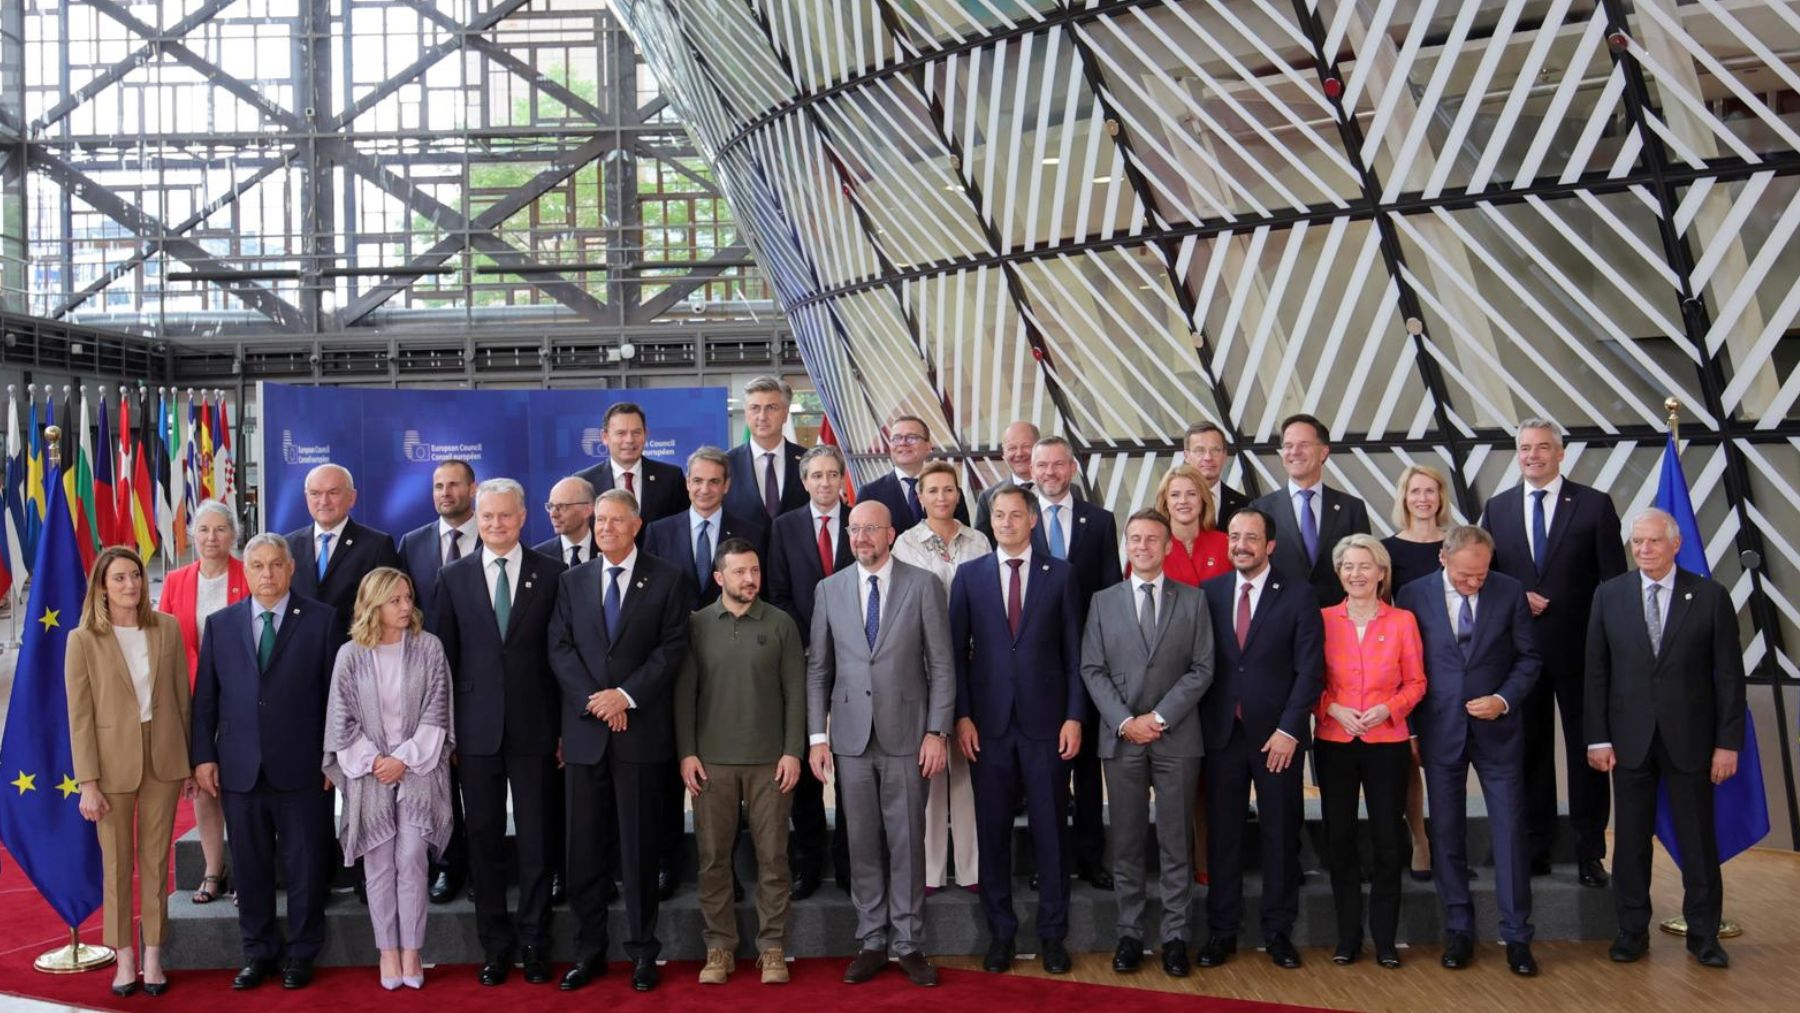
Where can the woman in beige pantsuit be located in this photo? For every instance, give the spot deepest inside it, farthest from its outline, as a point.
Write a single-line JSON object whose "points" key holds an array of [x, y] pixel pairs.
{"points": [[126, 672]]}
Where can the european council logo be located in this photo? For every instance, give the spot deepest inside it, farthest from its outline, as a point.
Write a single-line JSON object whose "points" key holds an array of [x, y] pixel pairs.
{"points": [[413, 447], [289, 453], [591, 442]]}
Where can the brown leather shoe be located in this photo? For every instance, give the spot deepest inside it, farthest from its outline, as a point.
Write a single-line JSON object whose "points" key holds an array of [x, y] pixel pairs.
{"points": [[918, 970], [867, 965]]}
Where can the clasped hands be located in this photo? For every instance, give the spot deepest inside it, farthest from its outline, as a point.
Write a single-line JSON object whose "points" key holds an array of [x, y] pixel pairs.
{"points": [[1141, 730], [610, 706], [1359, 723]]}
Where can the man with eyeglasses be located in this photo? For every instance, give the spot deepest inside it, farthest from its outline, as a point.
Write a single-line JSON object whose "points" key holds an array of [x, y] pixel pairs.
{"points": [[571, 510], [765, 473], [909, 445], [1310, 516], [1207, 451]]}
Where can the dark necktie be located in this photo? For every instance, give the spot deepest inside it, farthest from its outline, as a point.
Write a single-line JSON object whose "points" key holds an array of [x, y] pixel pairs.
{"points": [[872, 623], [826, 556], [1242, 622], [265, 645], [703, 556], [1540, 531], [454, 553], [912, 499], [1653, 620], [502, 597], [1015, 607], [771, 494], [574, 556], [1147, 614], [610, 606], [1465, 627], [1309, 527], [628, 486]]}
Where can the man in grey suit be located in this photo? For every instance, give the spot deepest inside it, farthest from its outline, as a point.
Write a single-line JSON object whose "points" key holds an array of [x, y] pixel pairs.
{"points": [[1147, 658], [882, 627]]}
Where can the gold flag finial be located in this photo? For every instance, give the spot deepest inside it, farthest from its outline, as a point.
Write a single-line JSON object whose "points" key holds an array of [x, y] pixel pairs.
{"points": [[1673, 405]]}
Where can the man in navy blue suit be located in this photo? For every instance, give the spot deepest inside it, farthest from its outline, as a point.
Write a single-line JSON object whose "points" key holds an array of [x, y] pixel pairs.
{"points": [[1480, 665], [616, 641], [806, 546], [909, 444], [655, 485], [1310, 516], [765, 472], [1561, 540], [333, 553], [1020, 702], [1268, 669], [258, 721], [1086, 536]]}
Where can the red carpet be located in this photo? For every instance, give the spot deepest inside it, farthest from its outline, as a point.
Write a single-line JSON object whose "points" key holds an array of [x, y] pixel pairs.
{"points": [[28, 927]]}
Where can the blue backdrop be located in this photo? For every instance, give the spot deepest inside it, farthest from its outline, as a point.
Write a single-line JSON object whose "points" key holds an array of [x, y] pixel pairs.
{"points": [[391, 440]]}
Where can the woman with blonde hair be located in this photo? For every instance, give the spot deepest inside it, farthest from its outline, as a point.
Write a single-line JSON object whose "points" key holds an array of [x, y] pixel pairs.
{"points": [[129, 708], [1200, 549], [388, 739], [1421, 517]]}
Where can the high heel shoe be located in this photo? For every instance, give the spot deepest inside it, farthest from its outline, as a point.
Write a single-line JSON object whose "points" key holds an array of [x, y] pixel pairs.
{"points": [[413, 981], [128, 989], [390, 983], [154, 988]]}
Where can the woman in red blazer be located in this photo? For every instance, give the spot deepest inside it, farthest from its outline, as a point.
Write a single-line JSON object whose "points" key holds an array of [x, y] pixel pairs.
{"points": [[1374, 677], [190, 594]]}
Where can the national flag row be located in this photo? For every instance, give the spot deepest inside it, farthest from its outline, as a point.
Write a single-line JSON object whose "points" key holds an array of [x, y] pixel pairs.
{"points": [[135, 464]]}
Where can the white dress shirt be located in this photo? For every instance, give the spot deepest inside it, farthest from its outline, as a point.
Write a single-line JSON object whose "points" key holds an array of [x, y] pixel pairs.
{"points": [[587, 548], [712, 521], [1065, 519], [1552, 492], [1453, 600], [337, 539], [830, 517], [1317, 505], [759, 463], [1006, 574], [513, 558], [637, 476], [468, 536]]}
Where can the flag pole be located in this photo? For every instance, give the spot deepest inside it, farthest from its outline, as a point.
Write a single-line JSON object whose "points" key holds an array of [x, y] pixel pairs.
{"points": [[1677, 926], [76, 956]]}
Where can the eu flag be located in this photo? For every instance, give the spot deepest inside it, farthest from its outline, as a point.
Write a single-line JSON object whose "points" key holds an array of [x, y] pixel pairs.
{"points": [[40, 815], [1740, 805]]}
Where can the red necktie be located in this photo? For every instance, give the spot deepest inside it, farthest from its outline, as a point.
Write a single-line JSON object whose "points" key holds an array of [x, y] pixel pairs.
{"points": [[1013, 606], [1242, 624], [826, 555], [628, 485]]}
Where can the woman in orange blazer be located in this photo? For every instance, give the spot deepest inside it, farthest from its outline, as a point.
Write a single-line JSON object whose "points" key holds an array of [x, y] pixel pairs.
{"points": [[190, 594], [128, 730], [1374, 677]]}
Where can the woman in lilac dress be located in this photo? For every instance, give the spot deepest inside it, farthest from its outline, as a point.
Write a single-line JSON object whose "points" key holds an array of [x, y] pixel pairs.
{"points": [[388, 738]]}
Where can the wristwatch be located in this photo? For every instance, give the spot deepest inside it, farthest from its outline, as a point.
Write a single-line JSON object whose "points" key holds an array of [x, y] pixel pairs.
{"points": [[941, 735]]}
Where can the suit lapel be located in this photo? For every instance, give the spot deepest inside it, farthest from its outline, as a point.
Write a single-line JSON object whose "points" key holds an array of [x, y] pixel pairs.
{"points": [[115, 658], [525, 588], [640, 585], [1271, 599], [1561, 522], [1509, 527], [1680, 603], [1036, 588], [890, 606], [286, 632], [345, 540], [1171, 593]]}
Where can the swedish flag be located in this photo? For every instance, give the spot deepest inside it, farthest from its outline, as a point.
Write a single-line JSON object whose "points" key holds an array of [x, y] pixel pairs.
{"points": [[40, 815]]}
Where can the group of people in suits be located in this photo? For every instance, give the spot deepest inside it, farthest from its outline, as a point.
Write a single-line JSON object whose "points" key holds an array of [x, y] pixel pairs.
{"points": [[738, 633]]}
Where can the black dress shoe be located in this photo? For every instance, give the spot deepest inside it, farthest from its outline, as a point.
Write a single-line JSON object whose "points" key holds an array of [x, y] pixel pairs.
{"points": [[1459, 951], [1055, 956], [1520, 960], [1388, 956], [1540, 866], [868, 964], [1709, 953], [645, 975], [1175, 958], [537, 965], [1216, 951], [126, 990], [918, 970], [559, 893], [253, 974], [805, 885], [1628, 947], [665, 883], [494, 971], [442, 890], [1592, 873], [1097, 876], [999, 956], [581, 973], [1282, 952], [297, 974], [1129, 956], [1347, 952]]}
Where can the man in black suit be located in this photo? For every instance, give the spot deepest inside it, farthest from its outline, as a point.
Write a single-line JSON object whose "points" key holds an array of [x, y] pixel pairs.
{"points": [[1268, 670], [1016, 443], [258, 719], [1310, 516], [616, 641], [1206, 449], [334, 553], [571, 510], [690, 540], [765, 473], [909, 444], [806, 546], [656, 486], [1665, 702], [492, 613], [1086, 536], [424, 551], [1561, 540]]}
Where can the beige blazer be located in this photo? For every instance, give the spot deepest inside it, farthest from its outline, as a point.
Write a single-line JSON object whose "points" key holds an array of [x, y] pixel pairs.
{"points": [[105, 733]]}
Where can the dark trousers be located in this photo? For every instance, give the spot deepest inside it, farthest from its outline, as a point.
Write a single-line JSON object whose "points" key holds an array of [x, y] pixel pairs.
{"points": [[1229, 771], [635, 821], [1007, 765], [1499, 763], [1561, 689], [1691, 805], [484, 788], [269, 830], [1379, 771], [1087, 840], [455, 857], [674, 821], [812, 836]]}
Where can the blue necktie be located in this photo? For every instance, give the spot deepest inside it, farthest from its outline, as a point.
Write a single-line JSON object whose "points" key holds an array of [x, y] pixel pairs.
{"points": [[1309, 527], [1058, 549], [912, 499], [703, 556], [1465, 627], [324, 554], [609, 607], [872, 624], [1540, 533]]}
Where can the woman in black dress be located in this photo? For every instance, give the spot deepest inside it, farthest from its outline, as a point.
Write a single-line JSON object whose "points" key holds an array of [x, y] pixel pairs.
{"points": [[1421, 515]]}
